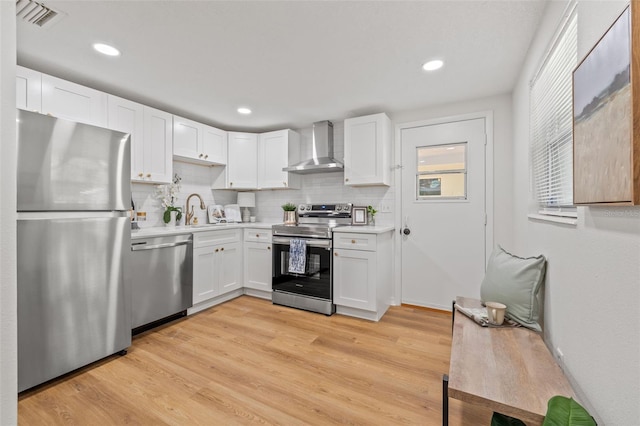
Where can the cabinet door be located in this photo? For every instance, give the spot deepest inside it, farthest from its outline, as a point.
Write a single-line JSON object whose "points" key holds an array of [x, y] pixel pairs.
{"points": [[230, 267], [158, 146], [214, 145], [187, 136], [257, 266], [127, 116], [28, 89], [273, 156], [354, 280], [243, 160], [72, 101], [367, 149], [205, 280]]}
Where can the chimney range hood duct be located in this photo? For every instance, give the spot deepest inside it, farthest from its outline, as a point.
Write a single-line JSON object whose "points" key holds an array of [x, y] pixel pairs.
{"points": [[322, 160]]}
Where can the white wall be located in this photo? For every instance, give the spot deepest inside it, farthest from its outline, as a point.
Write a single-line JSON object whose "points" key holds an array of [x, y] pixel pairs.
{"points": [[592, 291], [8, 319]]}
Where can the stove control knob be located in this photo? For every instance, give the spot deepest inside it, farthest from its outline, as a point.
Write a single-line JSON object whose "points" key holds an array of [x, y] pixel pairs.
{"points": [[308, 207], [301, 208], [338, 208]]}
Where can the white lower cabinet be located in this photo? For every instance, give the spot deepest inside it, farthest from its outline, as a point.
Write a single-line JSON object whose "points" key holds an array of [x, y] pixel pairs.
{"points": [[257, 262], [217, 267], [362, 274]]}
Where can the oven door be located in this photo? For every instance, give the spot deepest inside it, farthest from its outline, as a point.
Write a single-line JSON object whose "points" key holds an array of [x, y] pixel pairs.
{"points": [[316, 281]]}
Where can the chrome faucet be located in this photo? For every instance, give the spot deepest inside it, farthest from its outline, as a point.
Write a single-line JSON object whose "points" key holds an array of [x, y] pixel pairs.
{"points": [[190, 212]]}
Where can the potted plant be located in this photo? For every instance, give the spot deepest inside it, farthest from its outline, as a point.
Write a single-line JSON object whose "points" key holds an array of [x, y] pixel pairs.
{"points": [[289, 213], [371, 213], [168, 195]]}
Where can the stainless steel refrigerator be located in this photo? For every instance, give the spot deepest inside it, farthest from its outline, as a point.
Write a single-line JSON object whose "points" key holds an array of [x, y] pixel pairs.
{"points": [[73, 242]]}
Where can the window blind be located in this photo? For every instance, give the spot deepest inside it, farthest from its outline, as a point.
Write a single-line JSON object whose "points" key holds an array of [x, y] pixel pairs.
{"points": [[551, 121]]}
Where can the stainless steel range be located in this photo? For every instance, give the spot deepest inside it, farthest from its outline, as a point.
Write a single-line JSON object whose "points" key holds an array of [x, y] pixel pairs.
{"points": [[310, 287]]}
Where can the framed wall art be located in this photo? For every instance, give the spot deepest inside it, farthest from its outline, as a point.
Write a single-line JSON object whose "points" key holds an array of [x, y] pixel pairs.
{"points": [[606, 144]]}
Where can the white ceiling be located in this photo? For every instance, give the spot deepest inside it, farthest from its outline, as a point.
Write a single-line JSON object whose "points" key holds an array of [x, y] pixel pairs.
{"points": [[291, 62]]}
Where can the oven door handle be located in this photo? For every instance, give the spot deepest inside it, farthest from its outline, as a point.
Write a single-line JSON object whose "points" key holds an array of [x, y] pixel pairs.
{"points": [[311, 243]]}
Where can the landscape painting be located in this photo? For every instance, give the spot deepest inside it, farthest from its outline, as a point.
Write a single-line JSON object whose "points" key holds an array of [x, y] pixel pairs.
{"points": [[602, 119]]}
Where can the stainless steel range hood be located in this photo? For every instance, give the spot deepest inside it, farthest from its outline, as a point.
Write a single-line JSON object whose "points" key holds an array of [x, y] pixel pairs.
{"points": [[322, 160]]}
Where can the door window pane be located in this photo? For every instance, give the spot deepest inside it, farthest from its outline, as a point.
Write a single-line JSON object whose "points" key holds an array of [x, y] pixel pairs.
{"points": [[441, 171]]}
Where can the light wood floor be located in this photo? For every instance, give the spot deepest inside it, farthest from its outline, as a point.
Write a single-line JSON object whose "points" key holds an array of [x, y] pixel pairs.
{"points": [[248, 361]]}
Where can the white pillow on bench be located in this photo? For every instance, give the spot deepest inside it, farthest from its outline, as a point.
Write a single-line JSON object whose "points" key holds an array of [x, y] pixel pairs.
{"points": [[515, 281]]}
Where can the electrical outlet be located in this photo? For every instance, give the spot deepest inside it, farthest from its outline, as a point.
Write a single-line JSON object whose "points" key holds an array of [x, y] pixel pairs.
{"points": [[384, 207], [560, 357]]}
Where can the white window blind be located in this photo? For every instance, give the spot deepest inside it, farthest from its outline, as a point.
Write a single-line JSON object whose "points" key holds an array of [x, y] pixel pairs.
{"points": [[551, 121]]}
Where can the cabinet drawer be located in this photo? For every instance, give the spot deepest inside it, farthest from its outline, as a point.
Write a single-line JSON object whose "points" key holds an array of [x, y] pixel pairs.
{"points": [[257, 235], [354, 241], [203, 239]]}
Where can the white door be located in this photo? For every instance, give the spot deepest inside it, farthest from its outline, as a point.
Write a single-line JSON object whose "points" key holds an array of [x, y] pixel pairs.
{"points": [[443, 211]]}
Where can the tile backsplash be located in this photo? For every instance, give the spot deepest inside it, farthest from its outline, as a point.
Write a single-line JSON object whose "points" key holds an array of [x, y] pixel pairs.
{"points": [[314, 188]]}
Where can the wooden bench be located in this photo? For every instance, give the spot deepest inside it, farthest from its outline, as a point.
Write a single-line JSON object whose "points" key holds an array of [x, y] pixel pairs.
{"points": [[507, 370]]}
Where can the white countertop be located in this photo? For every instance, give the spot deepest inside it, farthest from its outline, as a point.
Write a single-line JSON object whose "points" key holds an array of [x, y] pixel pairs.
{"points": [[366, 229], [176, 230]]}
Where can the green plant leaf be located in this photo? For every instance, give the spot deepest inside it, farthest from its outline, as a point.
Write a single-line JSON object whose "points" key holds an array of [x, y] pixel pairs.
{"points": [[563, 411], [501, 420], [289, 207]]}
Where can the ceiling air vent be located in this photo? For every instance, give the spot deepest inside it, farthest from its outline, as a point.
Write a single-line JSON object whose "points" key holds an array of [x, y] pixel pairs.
{"points": [[36, 13]]}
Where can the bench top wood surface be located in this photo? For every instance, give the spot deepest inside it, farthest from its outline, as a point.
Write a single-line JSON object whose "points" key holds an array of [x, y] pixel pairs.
{"points": [[508, 370]]}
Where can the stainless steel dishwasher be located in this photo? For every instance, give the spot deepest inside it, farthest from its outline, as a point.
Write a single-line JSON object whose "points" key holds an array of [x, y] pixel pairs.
{"points": [[161, 278]]}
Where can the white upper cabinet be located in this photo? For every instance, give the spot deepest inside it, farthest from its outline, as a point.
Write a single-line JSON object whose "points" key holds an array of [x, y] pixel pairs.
{"points": [[367, 150], [128, 116], [196, 143], [214, 145], [72, 101], [241, 171], [277, 150], [28, 89], [158, 146], [151, 139]]}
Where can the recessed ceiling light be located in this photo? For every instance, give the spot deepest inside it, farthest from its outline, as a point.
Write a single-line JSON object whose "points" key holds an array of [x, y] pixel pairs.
{"points": [[244, 110], [451, 148], [433, 65], [105, 49]]}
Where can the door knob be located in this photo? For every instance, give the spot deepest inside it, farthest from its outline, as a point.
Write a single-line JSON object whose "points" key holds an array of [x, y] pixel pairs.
{"points": [[406, 231]]}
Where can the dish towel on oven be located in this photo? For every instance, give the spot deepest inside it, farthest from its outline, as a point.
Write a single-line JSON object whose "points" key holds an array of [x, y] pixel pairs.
{"points": [[297, 256]]}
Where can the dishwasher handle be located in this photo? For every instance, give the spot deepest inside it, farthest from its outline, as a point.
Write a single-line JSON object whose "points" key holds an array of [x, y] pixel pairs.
{"points": [[143, 246]]}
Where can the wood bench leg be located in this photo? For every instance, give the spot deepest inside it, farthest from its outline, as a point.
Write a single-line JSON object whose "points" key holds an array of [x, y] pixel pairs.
{"points": [[453, 314], [445, 400]]}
